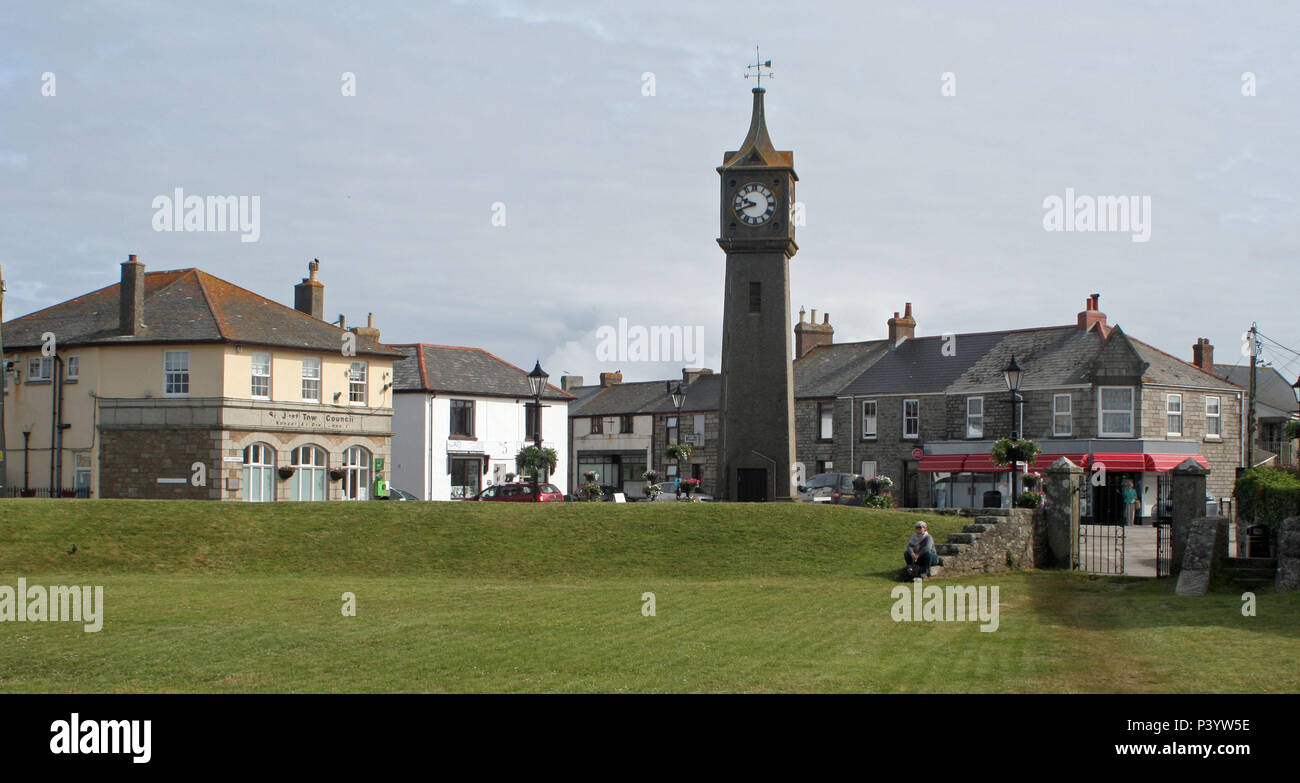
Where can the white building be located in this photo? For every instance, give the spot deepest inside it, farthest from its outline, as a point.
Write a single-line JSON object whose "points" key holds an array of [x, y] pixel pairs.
{"points": [[460, 415]]}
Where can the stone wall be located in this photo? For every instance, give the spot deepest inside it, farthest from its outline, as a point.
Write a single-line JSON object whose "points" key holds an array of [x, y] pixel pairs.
{"points": [[1206, 551], [996, 540], [132, 461], [1288, 556]]}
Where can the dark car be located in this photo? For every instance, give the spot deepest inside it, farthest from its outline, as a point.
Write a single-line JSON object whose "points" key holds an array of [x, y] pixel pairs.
{"points": [[522, 493], [836, 488]]}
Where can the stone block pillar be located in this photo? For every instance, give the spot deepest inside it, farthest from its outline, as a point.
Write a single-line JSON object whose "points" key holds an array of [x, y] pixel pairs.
{"points": [[1061, 485], [1189, 480], [1205, 551]]}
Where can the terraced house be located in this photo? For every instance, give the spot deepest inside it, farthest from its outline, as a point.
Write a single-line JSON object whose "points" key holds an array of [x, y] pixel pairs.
{"points": [[926, 411], [178, 384]]}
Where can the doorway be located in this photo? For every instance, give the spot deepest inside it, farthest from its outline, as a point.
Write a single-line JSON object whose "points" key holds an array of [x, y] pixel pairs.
{"points": [[751, 485]]}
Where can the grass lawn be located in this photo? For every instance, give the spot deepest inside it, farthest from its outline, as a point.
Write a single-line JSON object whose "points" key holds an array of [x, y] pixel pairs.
{"points": [[226, 597]]}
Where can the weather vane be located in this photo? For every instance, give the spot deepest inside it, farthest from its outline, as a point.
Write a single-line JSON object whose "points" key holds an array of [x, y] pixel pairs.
{"points": [[757, 67]]}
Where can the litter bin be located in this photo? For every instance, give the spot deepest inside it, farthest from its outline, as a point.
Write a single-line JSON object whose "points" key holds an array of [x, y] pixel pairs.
{"points": [[993, 498]]}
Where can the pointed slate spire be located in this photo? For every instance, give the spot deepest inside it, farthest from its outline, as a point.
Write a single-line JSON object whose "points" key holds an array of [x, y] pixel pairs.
{"points": [[757, 148]]}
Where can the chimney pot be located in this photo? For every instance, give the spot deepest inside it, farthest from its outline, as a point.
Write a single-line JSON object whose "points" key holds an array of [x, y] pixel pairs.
{"points": [[907, 309], [826, 319]]}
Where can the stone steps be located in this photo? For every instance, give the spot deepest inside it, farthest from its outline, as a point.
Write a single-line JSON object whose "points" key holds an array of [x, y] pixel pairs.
{"points": [[1250, 571]]}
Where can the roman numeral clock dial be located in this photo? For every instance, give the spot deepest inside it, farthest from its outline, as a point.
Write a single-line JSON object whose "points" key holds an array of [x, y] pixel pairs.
{"points": [[754, 204]]}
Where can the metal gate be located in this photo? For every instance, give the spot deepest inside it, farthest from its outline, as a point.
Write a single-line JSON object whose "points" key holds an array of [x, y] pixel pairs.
{"points": [[1101, 549], [1164, 550]]}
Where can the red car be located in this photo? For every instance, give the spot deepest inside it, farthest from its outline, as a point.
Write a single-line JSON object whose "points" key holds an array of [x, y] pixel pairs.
{"points": [[522, 493]]}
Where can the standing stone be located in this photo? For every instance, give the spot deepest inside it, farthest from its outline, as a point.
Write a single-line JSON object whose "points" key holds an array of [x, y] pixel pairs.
{"points": [[1061, 485], [1288, 555], [1206, 549], [1189, 480]]}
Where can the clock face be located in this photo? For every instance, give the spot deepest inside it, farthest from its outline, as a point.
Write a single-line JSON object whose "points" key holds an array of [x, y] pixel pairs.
{"points": [[754, 204]]}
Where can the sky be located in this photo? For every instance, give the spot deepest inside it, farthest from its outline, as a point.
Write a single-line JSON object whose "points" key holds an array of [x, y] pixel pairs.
{"points": [[519, 177]]}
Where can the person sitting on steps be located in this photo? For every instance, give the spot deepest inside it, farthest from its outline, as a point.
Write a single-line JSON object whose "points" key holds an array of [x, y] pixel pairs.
{"points": [[920, 549]]}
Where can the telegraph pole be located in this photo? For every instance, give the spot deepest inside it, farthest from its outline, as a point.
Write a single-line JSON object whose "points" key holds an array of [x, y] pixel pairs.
{"points": [[1250, 415]]}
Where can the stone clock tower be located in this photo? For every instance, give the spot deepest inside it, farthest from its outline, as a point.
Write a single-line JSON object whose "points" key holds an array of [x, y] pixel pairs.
{"points": [[757, 405]]}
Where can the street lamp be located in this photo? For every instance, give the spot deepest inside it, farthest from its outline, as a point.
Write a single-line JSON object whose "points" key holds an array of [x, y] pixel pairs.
{"points": [[537, 382], [1011, 374], [1295, 388], [679, 396]]}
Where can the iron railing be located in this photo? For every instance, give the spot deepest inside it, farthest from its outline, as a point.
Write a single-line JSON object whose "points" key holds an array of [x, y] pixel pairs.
{"points": [[45, 492]]}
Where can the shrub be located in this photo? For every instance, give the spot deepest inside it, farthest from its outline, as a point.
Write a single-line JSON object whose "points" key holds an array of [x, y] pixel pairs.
{"points": [[1267, 496], [880, 501], [1292, 429]]}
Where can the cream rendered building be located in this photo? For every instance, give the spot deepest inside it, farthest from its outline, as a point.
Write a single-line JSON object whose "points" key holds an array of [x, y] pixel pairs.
{"points": [[178, 384]]}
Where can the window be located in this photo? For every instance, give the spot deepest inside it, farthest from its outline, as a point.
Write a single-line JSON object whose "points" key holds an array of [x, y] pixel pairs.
{"points": [[259, 471], [911, 419], [1115, 412], [530, 420], [974, 417], [39, 369], [72, 368], [755, 297], [82, 477], [356, 474], [261, 387], [868, 468], [311, 379], [308, 480], [597, 425], [825, 466], [869, 419], [1213, 421], [1062, 419], [462, 418], [1174, 407], [357, 383], [826, 419], [698, 427], [670, 431], [176, 373], [625, 424]]}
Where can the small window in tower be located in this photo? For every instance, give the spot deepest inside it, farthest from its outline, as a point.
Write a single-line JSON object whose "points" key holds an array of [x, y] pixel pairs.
{"points": [[755, 297]]}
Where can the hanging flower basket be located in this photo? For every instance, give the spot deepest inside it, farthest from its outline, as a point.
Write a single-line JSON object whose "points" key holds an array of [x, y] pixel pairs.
{"points": [[689, 485], [678, 451], [285, 472], [337, 474], [1008, 451]]}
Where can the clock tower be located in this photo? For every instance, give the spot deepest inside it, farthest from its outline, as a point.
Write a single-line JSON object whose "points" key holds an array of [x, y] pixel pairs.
{"points": [[757, 405]]}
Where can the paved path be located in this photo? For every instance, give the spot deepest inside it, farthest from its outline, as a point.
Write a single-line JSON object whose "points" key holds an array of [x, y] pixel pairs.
{"points": [[1103, 550]]}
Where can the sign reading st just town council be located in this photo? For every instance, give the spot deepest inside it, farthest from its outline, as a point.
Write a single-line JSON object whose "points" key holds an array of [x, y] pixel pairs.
{"points": [[306, 420]]}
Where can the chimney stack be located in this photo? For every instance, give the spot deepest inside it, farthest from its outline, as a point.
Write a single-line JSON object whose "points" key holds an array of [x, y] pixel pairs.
{"points": [[369, 329], [568, 382], [901, 329], [1092, 314], [810, 334], [130, 313], [1203, 354], [309, 295], [692, 374], [611, 378]]}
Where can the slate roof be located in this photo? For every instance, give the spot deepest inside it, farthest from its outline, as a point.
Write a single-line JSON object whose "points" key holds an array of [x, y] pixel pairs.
{"points": [[451, 369], [182, 306], [620, 398], [1273, 395], [1168, 369], [825, 370], [920, 366]]}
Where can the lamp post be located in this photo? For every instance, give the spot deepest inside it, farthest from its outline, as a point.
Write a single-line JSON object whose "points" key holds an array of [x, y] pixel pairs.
{"points": [[536, 383], [1011, 374], [679, 396], [1295, 389]]}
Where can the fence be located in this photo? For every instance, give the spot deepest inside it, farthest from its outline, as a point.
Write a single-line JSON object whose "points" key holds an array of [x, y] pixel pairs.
{"points": [[45, 492]]}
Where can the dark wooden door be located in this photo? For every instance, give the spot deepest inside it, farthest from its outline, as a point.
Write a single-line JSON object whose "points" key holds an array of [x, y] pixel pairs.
{"points": [[751, 485]]}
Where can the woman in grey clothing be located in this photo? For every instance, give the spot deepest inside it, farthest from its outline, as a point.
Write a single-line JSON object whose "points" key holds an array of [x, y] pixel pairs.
{"points": [[920, 549]]}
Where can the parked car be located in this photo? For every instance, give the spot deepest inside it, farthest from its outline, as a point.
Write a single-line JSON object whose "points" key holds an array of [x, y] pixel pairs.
{"points": [[835, 488], [522, 493], [397, 494]]}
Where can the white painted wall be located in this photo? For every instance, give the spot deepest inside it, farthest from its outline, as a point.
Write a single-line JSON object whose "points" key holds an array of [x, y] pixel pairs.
{"points": [[421, 442]]}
